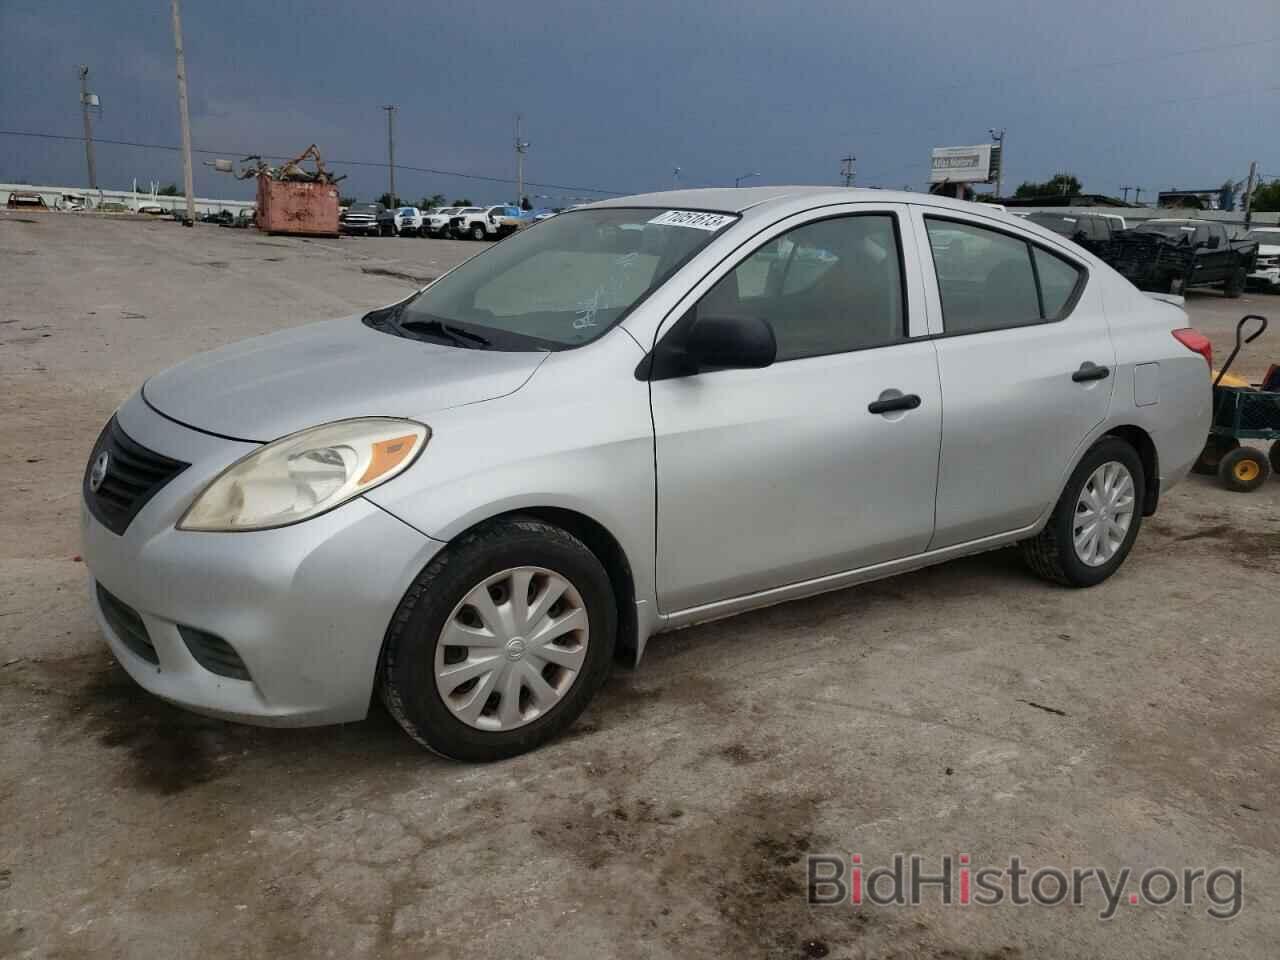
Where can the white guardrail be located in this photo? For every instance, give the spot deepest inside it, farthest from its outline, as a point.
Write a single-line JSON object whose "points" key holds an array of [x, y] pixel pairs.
{"points": [[56, 198]]}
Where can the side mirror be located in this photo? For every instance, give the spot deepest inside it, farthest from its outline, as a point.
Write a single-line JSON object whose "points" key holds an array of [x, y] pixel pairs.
{"points": [[731, 342], [1212, 244]]}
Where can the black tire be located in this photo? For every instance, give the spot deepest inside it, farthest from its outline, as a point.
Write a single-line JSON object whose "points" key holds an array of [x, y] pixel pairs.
{"points": [[1215, 448], [478, 231], [1274, 456], [407, 669], [1244, 470], [1234, 286], [1051, 554]]}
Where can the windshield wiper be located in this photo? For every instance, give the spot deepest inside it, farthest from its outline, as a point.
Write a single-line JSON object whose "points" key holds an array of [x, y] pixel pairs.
{"points": [[460, 337]]}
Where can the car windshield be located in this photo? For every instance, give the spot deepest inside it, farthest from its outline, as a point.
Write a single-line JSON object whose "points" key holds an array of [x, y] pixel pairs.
{"points": [[363, 208], [566, 281], [407, 211], [1173, 229]]}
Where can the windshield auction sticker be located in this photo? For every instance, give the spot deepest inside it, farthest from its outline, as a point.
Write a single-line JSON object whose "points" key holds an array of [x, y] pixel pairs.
{"points": [[690, 218]]}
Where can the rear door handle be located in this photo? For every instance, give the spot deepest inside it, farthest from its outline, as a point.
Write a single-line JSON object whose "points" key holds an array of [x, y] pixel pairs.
{"points": [[1090, 371], [908, 402]]}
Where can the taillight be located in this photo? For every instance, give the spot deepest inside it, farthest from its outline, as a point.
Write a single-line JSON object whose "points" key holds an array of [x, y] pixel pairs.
{"points": [[1196, 342]]}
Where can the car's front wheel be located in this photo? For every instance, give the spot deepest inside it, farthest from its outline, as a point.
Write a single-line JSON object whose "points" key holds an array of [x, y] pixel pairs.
{"points": [[1095, 521], [500, 642]]}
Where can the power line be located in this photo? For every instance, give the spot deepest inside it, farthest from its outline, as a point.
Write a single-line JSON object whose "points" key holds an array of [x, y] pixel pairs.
{"points": [[345, 163]]}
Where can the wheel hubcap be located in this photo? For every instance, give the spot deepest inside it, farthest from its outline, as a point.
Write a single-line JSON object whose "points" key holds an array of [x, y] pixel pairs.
{"points": [[512, 648], [1104, 513]]}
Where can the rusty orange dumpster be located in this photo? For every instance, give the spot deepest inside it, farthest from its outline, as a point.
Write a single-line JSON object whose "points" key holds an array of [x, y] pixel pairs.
{"points": [[297, 207]]}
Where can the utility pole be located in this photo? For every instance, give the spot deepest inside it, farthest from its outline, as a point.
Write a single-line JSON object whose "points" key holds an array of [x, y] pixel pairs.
{"points": [[391, 155], [846, 169], [88, 127], [1137, 195], [1125, 191], [998, 138], [1248, 195], [675, 178], [183, 117], [522, 146]]}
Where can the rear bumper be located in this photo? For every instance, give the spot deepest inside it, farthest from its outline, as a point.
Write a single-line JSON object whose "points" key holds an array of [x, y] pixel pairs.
{"points": [[304, 607]]}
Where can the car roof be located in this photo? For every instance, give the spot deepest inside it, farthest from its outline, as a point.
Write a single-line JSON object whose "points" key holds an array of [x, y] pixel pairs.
{"points": [[741, 199]]}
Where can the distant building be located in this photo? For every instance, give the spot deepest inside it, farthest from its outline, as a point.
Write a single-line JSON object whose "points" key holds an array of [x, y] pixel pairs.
{"points": [[1218, 198]]}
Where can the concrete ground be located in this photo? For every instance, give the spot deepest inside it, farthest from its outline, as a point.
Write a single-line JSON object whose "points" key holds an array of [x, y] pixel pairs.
{"points": [[967, 709]]}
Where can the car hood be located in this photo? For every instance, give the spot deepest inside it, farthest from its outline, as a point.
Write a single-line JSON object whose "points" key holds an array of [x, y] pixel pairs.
{"points": [[267, 387], [1268, 249]]}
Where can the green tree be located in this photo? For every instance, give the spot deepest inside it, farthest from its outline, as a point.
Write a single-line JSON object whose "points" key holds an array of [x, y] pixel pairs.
{"points": [[435, 200], [346, 201], [460, 203], [525, 204], [1057, 185], [170, 191], [389, 201], [1266, 197]]}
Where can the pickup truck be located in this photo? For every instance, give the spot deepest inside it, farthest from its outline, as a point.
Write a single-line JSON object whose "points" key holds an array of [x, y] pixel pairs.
{"points": [[1266, 270], [491, 223], [361, 218], [1170, 256], [1089, 230], [400, 222], [435, 223]]}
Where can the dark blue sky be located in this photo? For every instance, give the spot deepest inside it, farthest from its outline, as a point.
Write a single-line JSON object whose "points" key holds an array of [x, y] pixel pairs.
{"points": [[614, 95]]}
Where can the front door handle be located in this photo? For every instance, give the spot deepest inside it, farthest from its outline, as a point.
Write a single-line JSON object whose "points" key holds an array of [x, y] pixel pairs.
{"points": [[1090, 371], [908, 402]]}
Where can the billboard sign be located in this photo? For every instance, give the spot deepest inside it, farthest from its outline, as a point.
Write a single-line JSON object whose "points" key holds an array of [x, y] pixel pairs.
{"points": [[963, 164]]}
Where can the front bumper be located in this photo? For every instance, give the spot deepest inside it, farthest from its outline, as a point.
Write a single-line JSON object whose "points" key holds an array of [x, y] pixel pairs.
{"points": [[305, 607], [1267, 275]]}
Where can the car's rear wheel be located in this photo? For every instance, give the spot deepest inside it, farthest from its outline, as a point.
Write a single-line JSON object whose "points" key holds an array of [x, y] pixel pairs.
{"points": [[1274, 456], [1244, 470], [1096, 520], [477, 232], [500, 642]]}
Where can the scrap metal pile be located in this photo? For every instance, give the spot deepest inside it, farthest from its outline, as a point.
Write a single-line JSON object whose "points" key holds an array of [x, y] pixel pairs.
{"points": [[294, 200], [291, 171]]}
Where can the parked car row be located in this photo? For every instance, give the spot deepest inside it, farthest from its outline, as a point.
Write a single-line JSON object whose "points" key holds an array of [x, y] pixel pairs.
{"points": [[475, 223]]}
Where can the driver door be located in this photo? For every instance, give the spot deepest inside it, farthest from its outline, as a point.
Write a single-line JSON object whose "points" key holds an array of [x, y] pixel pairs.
{"points": [[772, 477]]}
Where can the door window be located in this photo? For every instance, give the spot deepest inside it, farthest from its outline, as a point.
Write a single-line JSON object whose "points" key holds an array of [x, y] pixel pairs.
{"points": [[989, 280], [826, 287], [1058, 281]]}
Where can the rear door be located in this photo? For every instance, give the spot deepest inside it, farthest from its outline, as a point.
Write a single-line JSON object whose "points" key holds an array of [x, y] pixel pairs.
{"points": [[1024, 358]]}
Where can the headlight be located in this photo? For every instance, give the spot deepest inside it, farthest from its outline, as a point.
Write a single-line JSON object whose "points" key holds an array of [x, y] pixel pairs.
{"points": [[305, 474]]}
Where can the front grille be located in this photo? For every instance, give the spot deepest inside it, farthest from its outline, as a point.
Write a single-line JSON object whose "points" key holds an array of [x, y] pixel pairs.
{"points": [[133, 476], [127, 625], [214, 654]]}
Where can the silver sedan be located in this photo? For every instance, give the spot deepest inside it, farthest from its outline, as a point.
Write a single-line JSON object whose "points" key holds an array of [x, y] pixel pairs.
{"points": [[632, 417]]}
